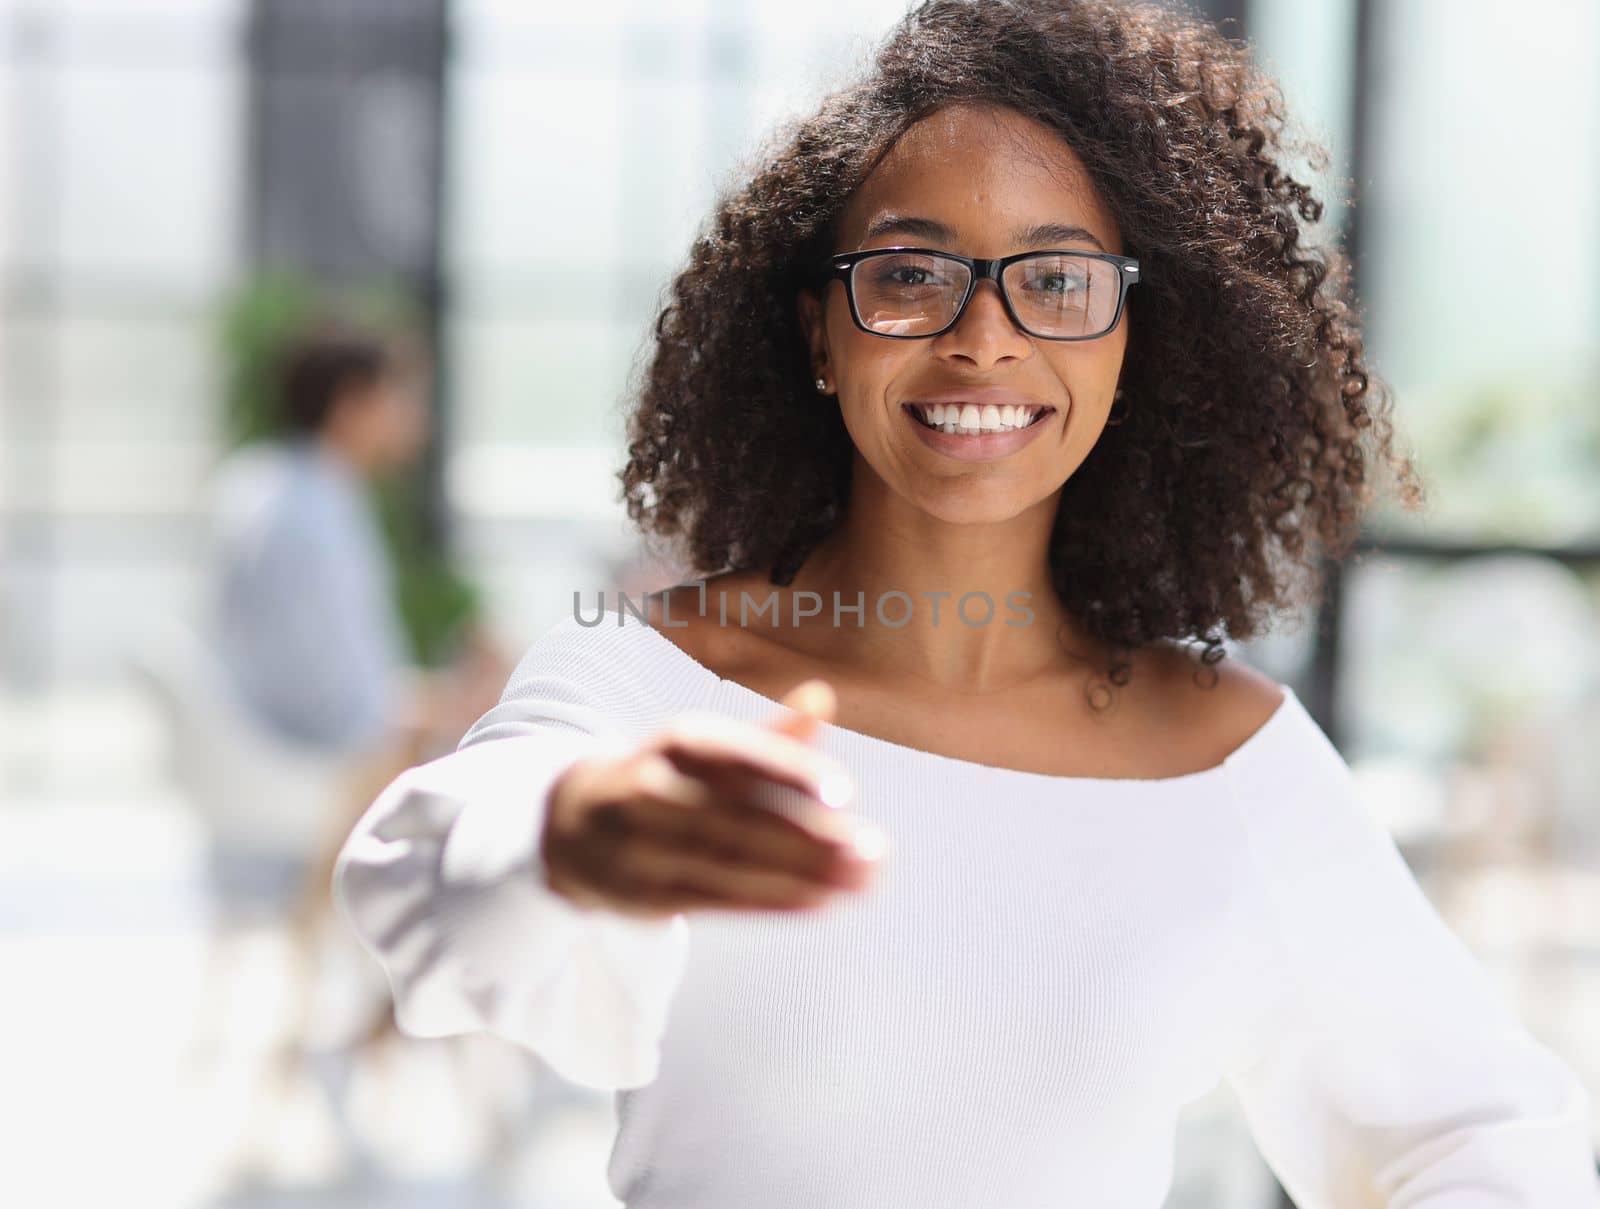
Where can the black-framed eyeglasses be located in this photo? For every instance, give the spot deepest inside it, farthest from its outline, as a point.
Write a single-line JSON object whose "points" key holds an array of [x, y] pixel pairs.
{"points": [[915, 293]]}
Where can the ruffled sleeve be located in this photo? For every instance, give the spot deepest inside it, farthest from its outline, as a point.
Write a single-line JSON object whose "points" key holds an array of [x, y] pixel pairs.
{"points": [[442, 881], [1387, 1067]]}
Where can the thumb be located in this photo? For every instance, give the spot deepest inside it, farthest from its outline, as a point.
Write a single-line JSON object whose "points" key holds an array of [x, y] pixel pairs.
{"points": [[807, 704]]}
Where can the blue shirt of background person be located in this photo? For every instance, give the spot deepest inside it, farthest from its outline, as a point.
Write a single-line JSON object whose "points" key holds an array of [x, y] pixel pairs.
{"points": [[307, 626]]}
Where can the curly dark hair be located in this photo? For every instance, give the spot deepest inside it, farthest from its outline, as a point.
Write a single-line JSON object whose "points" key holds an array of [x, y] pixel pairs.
{"points": [[1240, 466]]}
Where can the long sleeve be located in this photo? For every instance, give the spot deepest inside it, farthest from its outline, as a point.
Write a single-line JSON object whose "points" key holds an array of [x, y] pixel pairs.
{"points": [[1388, 1069], [442, 881]]}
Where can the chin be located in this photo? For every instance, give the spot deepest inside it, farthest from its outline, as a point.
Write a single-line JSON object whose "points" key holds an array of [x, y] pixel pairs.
{"points": [[974, 508]]}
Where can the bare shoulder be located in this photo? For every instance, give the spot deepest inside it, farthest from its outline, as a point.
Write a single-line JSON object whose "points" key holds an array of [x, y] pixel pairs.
{"points": [[1221, 705], [687, 616]]}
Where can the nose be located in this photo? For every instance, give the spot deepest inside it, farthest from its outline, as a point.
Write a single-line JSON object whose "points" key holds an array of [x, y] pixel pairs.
{"points": [[984, 333]]}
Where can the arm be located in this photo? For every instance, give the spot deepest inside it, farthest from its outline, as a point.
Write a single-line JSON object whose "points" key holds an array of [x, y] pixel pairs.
{"points": [[442, 881], [1388, 1070]]}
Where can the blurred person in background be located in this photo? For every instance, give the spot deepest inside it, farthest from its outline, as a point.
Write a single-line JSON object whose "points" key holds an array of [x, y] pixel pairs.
{"points": [[307, 624], [307, 627]]}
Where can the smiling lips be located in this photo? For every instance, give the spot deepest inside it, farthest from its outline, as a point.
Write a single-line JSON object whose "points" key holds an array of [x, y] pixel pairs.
{"points": [[972, 418], [977, 423], [975, 410], [972, 432]]}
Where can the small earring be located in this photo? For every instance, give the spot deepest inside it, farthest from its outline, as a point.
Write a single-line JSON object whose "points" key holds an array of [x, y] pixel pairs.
{"points": [[822, 385]]}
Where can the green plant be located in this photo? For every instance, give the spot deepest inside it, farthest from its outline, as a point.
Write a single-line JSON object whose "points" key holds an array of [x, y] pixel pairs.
{"points": [[436, 602]]}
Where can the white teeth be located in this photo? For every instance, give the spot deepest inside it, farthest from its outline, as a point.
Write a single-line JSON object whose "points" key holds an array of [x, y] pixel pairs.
{"points": [[970, 418]]}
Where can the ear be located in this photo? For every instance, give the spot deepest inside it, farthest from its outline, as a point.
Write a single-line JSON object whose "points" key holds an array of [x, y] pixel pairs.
{"points": [[809, 308]]}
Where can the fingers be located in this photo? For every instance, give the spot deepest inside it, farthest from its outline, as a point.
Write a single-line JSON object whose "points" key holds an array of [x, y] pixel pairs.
{"points": [[645, 876], [763, 750], [659, 869], [716, 817], [687, 820], [739, 796]]}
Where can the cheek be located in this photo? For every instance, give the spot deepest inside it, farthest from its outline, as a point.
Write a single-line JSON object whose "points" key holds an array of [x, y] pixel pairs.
{"points": [[852, 346], [1088, 375], [866, 366], [409, 425]]}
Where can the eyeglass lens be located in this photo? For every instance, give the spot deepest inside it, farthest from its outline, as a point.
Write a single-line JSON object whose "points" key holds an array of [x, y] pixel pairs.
{"points": [[1053, 294]]}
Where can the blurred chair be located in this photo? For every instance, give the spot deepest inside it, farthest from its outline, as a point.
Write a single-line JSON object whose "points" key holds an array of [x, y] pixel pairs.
{"points": [[273, 818], [266, 808], [270, 814]]}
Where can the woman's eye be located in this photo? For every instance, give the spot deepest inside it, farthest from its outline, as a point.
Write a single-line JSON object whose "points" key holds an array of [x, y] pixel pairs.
{"points": [[1057, 283], [910, 276]]}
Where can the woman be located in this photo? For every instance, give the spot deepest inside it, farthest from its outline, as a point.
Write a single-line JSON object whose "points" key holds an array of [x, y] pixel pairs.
{"points": [[1082, 875]]}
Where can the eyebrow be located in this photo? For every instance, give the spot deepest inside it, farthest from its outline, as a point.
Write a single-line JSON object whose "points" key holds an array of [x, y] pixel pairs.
{"points": [[1035, 236]]}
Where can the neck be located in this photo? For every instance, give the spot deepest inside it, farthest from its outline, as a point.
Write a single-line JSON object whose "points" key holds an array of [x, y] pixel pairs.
{"points": [[886, 545]]}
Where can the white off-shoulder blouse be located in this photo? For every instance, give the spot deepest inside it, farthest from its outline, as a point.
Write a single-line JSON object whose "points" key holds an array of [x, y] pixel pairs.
{"points": [[1045, 970]]}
